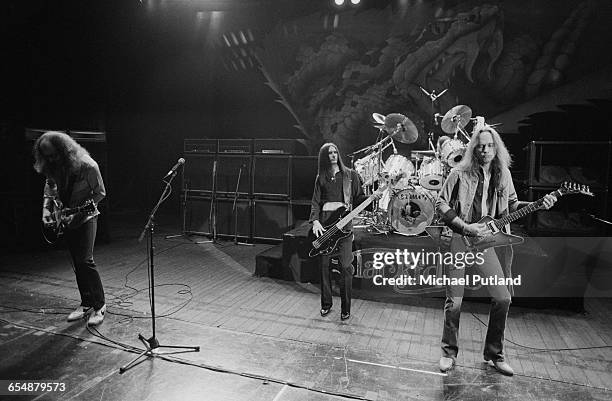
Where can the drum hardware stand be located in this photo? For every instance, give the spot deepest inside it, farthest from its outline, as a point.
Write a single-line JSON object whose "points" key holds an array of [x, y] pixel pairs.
{"points": [[235, 211], [212, 214], [152, 344], [433, 97], [465, 135]]}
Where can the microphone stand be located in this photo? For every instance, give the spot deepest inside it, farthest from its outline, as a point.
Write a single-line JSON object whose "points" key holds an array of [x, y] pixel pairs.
{"points": [[235, 211], [152, 344]]}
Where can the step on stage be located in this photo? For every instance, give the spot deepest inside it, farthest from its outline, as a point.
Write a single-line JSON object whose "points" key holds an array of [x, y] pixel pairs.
{"points": [[561, 269]]}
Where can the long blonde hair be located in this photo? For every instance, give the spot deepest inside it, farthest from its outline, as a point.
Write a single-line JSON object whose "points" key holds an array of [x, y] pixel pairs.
{"points": [[70, 152], [501, 161]]}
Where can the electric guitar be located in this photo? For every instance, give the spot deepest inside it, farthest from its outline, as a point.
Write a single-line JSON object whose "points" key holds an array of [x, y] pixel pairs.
{"points": [[334, 226], [496, 237], [59, 214]]}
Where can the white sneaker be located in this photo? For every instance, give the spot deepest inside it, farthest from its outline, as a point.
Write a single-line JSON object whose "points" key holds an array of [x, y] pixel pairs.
{"points": [[78, 313], [97, 316]]}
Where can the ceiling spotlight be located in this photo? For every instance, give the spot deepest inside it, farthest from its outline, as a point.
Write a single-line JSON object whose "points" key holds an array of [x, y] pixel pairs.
{"points": [[355, 2], [339, 2]]}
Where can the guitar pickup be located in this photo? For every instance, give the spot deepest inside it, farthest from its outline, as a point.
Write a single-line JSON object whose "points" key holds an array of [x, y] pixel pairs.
{"points": [[491, 225]]}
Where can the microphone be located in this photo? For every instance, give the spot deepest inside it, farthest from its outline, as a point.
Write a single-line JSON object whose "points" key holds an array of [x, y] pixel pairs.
{"points": [[178, 164]]}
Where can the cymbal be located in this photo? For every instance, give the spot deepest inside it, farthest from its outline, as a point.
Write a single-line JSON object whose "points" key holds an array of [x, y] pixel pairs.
{"points": [[379, 118], [401, 128], [456, 118]]}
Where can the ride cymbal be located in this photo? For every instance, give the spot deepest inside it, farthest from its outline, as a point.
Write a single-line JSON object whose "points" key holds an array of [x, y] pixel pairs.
{"points": [[456, 118]]}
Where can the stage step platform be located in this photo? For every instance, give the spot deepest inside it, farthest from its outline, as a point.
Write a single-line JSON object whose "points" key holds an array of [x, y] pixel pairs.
{"points": [[542, 263]]}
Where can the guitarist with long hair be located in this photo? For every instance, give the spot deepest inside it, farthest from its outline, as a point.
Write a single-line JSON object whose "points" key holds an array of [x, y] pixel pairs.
{"points": [[480, 185], [73, 178], [335, 186]]}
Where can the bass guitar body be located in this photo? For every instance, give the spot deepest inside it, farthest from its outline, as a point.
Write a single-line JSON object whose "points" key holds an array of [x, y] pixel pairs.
{"points": [[328, 242]]}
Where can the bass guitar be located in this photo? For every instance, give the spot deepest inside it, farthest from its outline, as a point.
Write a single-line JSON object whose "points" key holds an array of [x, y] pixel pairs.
{"points": [[55, 228], [334, 227], [496, 237]]}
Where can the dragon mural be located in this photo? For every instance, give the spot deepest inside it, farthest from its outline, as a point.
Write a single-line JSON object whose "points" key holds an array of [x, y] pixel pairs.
{"points": [[332, 72]]}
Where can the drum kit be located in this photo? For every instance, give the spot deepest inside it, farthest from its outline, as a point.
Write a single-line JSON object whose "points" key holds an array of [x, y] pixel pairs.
{"points": [[407, 206]]}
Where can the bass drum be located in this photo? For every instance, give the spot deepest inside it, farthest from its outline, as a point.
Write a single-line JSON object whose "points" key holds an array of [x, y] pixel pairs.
{"points": [[432, 174], [411, 210]]}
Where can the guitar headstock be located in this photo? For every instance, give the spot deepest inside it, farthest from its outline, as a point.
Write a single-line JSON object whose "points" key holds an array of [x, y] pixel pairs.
{"points": [[568, 188]]}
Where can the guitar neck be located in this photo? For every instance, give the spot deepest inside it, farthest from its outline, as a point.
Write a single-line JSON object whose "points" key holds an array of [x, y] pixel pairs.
{"points": [[532, 207], [349, 217]]}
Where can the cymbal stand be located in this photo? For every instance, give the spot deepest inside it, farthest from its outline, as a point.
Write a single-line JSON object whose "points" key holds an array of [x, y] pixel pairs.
{"points": [[433, 97], [465, 135]]}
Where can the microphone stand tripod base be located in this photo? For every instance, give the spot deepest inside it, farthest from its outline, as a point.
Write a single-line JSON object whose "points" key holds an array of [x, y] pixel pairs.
{"points": [[152, 347], [151, 344]]}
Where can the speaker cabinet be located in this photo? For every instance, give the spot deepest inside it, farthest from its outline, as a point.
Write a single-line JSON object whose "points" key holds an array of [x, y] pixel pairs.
{"points": [[228, 167], [303, 175], [276, 146], [271, 219], [271, 177], [200, 145], [197, 216], [236, 146], [226, 220], [197, 174]]}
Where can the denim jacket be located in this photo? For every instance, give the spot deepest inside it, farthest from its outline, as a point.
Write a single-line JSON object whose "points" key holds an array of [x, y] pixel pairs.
{"points": [[504, 201]]}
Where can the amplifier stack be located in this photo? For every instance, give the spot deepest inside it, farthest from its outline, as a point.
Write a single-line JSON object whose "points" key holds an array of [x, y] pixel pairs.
{"points": [[270, 182]]}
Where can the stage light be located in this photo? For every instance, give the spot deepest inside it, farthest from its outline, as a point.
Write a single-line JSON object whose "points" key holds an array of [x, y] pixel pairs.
{"points": [[355, 2], [339, 2]]}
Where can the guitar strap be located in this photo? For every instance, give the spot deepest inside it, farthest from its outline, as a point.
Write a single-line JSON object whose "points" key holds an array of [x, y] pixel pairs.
{"points": [[453, 204], [347, 188], [453, 198]]}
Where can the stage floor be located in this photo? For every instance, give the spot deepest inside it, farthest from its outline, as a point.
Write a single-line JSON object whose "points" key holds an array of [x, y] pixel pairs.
{"points": [[263, 339]]}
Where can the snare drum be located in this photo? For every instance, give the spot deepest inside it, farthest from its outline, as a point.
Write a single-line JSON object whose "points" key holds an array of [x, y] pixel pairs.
{"points": [[399, 169], [432, 173], [452, 152], [411, 210]]}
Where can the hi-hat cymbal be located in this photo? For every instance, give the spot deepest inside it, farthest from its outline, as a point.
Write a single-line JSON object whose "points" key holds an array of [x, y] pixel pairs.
{"points": [[456, 118], [400, 128]]}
